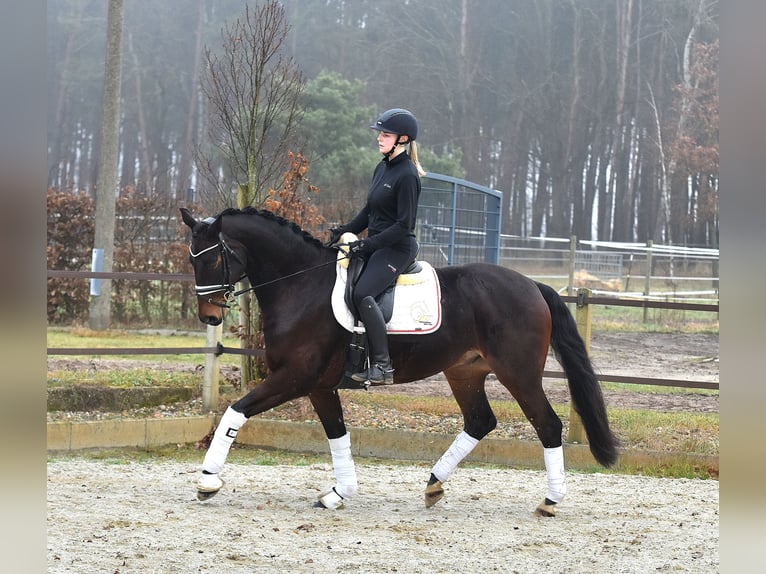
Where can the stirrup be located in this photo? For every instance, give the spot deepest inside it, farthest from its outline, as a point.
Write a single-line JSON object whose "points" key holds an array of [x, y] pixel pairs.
{"points": [[379, 375], [361, 376], [375, 375]]}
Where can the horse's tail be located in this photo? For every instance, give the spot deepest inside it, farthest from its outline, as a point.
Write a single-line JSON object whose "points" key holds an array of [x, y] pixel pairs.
{"points": [[584, 387]]}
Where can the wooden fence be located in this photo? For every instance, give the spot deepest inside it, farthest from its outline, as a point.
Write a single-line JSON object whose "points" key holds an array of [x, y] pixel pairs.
{"points": [[213, 349]]}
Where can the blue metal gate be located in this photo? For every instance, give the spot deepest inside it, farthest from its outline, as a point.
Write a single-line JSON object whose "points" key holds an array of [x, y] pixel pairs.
{"points": [[458, 221]]}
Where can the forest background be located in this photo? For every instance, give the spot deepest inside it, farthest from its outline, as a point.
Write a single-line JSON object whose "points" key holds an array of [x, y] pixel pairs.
{"points": [[598, 119]]}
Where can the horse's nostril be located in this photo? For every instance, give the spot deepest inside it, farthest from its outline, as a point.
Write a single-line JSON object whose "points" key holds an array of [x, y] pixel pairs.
{"points": [[211, 320]]}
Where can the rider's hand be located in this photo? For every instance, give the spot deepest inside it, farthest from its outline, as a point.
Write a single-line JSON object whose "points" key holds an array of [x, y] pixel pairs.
{"points": [[359, 248], [335, 233]]}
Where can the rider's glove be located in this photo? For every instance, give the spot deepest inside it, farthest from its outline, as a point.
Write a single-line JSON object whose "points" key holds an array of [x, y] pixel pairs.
{"points": [[335, 233], [360, 248]]}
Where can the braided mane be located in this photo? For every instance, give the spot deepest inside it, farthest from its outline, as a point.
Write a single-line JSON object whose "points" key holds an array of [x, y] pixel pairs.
{"points": [[266, 214]]}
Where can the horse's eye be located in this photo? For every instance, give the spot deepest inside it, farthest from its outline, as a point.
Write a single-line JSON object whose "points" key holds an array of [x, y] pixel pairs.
{"points": [[212, 263]]}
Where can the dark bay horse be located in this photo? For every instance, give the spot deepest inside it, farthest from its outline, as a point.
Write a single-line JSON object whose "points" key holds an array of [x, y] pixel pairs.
{"points": [[493, 320]]}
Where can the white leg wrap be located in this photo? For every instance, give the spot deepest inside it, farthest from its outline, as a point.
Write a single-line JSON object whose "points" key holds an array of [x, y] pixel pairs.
{"points": [[224, 436], [458, 450], [343, 465], [554, 469]]}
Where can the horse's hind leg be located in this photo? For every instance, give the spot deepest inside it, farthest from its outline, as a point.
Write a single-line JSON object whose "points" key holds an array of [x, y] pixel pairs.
{"points": [[467, 384], [527, 389], [327, 405]]}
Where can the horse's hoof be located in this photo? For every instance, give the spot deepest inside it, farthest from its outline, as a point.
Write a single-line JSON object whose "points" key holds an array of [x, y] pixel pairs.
{"points": [[547, 510], [203, 496], [208, 486], [330, 499], [434, 493]]}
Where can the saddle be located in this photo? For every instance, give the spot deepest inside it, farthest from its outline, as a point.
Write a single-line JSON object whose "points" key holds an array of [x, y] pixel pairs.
{"points": [[386, 299], [410, 305]]}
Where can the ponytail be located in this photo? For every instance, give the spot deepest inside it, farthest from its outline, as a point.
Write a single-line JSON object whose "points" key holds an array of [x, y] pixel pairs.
{"points": [[414, 158]]}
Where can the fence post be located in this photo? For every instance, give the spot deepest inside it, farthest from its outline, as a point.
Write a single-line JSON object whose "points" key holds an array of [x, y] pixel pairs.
{"points": [[583, 317], [648, 280], [210, 384], [572, 256]]}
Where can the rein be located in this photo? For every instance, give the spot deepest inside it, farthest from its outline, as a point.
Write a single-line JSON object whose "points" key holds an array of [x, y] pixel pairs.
{"points": [[228, 287], [254, 287]]}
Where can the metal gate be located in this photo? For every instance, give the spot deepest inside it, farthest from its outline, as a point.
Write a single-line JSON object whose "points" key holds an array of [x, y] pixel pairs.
{"points": [[458, 221]]}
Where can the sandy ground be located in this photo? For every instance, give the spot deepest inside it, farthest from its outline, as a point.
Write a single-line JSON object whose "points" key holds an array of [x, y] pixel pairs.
{"points": [[129, 518]]}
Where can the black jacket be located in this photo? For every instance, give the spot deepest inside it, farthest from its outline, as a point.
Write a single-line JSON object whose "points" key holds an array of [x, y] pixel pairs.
{"points": [[392, 203]]}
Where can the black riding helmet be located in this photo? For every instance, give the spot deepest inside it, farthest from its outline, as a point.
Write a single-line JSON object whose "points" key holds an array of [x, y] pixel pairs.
{"points": [[397, 121]]}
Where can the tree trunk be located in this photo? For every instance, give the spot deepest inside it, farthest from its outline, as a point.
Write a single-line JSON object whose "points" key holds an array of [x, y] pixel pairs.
{"points": [[145, 169], [185, 163], [100, 304], [541, 198], [621, 136], [57, 172]]}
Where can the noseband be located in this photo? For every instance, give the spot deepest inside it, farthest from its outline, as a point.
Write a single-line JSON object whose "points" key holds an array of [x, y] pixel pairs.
{"points": [[228, 285]]}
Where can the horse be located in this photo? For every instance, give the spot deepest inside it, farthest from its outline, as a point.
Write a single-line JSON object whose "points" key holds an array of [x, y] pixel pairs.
{"points": [[494, 320]]}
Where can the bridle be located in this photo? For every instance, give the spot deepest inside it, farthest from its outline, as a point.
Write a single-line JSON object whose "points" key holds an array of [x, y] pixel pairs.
{"points": [[228, 285]]}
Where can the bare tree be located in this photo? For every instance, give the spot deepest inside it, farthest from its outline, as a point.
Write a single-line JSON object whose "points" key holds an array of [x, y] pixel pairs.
{"points": [[106, 187], [253, 94]]}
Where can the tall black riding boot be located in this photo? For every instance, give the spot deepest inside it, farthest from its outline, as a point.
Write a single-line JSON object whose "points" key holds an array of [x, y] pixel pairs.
{"points": [[381, 372]]}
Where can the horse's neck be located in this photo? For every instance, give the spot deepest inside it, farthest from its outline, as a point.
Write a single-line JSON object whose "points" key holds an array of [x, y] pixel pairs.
{"points": [[274, 250]]}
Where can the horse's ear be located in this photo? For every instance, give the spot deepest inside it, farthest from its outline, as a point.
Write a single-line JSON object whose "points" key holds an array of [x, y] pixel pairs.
{"points": [[188, 218], [215, 227]]}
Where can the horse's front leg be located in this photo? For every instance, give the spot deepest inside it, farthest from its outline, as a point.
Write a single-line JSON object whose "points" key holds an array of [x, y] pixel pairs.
{"points": [[263, 397], [327, 405], [210, 482]]}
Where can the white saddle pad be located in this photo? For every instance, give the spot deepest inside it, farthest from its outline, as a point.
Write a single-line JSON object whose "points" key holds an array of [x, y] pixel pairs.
{"points": [[417, 302]]}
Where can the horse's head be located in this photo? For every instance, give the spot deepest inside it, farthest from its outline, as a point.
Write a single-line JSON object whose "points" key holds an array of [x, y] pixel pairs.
{"points": [[218, 264]]}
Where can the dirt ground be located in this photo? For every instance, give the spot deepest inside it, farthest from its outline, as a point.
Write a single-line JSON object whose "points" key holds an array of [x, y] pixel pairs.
{"points": [[130, 518]]}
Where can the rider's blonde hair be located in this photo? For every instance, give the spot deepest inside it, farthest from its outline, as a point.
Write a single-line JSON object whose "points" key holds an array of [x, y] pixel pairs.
{"points": [[414, 158]]}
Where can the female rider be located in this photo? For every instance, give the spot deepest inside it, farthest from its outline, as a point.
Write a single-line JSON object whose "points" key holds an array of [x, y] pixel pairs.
{"points": [[390, 246]]}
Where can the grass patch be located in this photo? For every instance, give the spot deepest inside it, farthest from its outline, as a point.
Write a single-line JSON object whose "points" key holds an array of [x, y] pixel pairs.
{"points": [[672, 469], [656, 389], [612, 318], [81, 338], [693, 433], [125, 378]]}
